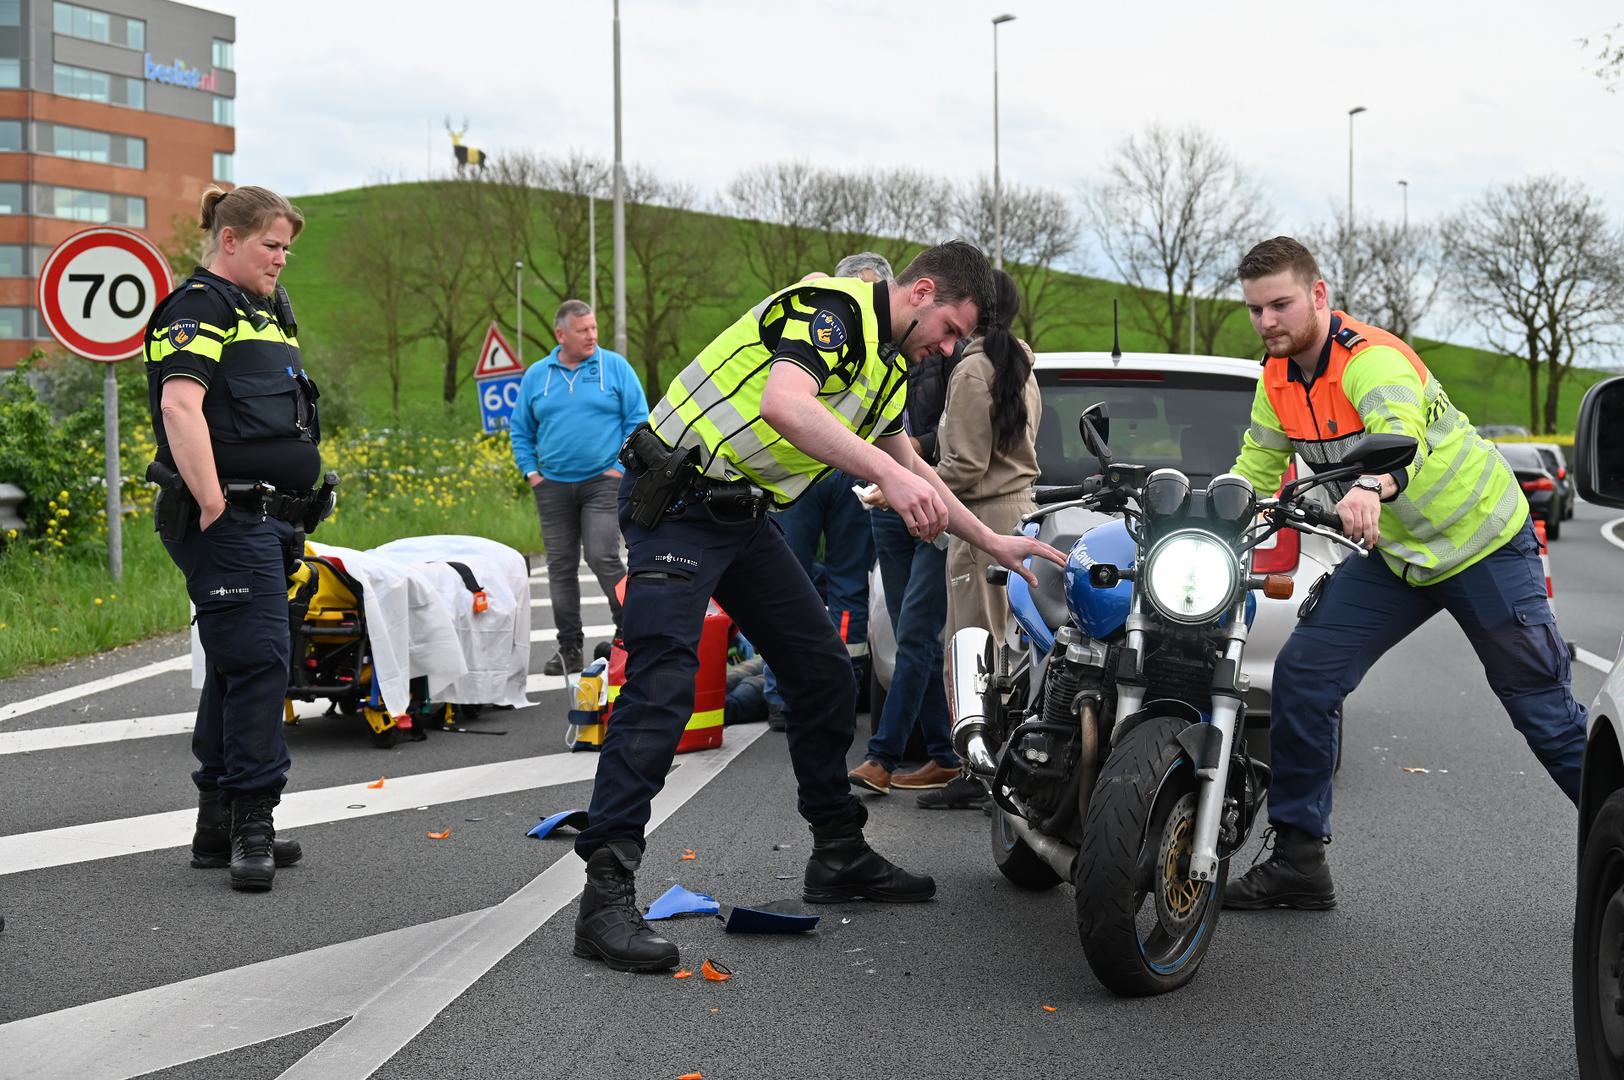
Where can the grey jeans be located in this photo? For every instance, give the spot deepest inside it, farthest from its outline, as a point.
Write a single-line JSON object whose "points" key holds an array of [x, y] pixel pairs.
{"points": [[573, 516]]}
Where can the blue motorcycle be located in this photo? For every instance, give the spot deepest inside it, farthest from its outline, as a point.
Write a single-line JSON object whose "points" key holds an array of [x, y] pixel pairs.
{"points": [[1106, 726]]}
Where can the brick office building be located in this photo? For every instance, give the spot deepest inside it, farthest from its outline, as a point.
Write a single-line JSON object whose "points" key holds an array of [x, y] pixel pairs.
{"points": [[115, 112]]}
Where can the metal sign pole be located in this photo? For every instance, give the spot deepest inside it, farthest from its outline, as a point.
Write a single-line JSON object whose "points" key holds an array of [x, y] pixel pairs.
{"points": [[115, 496]]}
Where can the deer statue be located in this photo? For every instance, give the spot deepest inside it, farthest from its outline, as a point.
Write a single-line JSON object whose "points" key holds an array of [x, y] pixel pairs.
{"points": [[466, 155]]}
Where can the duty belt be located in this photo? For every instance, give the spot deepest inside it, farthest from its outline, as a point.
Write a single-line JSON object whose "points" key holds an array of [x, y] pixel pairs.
{"points": [[669, 482], [259, 497]]}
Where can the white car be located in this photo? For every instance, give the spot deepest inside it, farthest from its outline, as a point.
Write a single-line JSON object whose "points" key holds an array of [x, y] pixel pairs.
{"points": [[1598, 925], [1188, 412]]}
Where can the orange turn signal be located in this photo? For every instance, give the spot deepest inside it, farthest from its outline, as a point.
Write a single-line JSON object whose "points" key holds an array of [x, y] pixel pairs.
{"points": [[1278, 587]]}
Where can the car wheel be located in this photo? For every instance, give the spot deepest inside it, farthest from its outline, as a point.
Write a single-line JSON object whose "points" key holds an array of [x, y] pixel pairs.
{"points": [[1598, 955], [1553, 523]]}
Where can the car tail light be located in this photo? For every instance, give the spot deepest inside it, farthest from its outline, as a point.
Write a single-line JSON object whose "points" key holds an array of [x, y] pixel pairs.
{"points": [[1279, 554], [1561, 473], [1542, 483]]}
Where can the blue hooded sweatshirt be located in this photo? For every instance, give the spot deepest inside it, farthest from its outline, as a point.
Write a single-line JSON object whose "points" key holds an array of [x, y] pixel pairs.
{"points": [[568, 425]]}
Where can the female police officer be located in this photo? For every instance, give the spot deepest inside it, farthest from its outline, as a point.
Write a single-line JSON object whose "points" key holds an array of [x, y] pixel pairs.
{"points": [[235, 416]]}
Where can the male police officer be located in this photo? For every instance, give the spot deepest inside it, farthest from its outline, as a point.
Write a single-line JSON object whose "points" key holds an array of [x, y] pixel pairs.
{"points": [[810, 380], [234, 416], [1452, 531]]}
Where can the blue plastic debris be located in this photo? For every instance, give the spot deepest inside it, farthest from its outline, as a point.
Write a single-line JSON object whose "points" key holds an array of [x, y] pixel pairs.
{"points": [[574, 819], [680, 901]]}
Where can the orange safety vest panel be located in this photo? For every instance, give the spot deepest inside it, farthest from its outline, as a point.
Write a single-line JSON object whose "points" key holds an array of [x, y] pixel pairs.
{"points": [[1320, 412]]}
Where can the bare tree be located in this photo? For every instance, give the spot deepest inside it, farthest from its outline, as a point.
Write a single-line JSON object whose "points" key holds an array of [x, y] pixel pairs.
{"points": [[378, 251], [1174, 213], [1609, 55], [451, 279], [187, 243], [1345, 261], [911, 210], [1541, 268], [1041, 229], [1383, 272], [671, 270], [779, 211]]}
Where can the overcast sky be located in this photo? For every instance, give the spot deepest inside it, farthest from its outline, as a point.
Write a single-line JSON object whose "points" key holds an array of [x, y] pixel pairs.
{"points": [[1460, 96]]}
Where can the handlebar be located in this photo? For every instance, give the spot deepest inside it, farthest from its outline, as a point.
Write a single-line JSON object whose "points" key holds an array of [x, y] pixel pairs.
{"points": [[1316, 515], [1043, 496]]}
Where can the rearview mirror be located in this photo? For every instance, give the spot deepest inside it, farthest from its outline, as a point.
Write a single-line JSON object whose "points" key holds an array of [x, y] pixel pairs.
{"points": [[1380, 453], [1598, 444], [1095, 428]]}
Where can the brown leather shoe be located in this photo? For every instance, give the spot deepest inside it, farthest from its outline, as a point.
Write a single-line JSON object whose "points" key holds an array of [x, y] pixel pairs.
{"points": [[930, 775], [872, 776]]}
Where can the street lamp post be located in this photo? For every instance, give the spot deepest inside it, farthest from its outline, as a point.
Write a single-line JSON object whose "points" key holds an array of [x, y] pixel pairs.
{"points": [[997, 180], [1355, 111], [518, 307], [592, 252], [1404, 186], [620, 209]]}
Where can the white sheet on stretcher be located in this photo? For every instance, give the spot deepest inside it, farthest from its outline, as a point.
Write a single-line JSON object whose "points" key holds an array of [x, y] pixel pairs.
{"points": [[421, 619]]}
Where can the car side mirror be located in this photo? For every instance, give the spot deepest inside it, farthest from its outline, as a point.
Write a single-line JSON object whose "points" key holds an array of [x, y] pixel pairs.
{"points": [[1381, 453], [1598, 444], [1095, 428]]}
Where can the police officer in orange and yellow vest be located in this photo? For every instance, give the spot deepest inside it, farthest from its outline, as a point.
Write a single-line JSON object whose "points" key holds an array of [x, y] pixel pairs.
{"points": [[1451, 532]]}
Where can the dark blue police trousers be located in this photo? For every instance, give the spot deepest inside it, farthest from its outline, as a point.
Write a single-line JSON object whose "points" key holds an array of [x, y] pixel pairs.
{"points": [[1366, 609], [673, 570], [237, 577]]}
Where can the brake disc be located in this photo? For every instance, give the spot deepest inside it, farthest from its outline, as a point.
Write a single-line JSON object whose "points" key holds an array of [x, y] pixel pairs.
{"points": [[1179, 901]]}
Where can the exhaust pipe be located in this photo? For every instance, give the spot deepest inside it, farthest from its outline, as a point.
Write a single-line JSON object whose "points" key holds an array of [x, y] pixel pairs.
{"points": [[1061, 857], [970, 696]]}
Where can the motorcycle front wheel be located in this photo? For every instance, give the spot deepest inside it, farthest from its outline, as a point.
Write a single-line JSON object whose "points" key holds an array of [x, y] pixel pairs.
{"points": [[1145, 926]]}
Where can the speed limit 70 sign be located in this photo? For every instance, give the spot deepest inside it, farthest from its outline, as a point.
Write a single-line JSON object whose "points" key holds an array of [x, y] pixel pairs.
{"points": [[99, 288]]}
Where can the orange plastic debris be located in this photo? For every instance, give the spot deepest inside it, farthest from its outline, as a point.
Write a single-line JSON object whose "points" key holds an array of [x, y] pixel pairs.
{"points": [[715, 972], [716, 1010], [692, 1076], [688, 853], [440, 835], [683, 973], [378, 783], [1050, 1008]]}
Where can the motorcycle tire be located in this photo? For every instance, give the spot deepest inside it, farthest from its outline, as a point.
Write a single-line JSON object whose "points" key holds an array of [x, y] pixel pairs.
{"points": [[1144, 927], [1016, 860], [1598, 927]]}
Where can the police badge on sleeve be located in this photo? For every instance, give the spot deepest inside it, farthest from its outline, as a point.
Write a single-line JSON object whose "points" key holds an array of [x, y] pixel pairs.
{"points": [[828, 332], [181, 332]]}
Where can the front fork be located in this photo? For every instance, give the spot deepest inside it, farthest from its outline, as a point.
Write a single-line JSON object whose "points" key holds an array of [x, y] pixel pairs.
{"points": [[1214, 777]]}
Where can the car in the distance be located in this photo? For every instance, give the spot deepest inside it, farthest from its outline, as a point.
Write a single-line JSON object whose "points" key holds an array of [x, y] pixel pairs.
{"points": [[1556, 463], [1539, 485], [1185, 412], [1598, 925]]}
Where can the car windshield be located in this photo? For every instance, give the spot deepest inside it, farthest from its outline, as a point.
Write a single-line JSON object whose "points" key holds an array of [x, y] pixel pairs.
{"points": [[1190, 421], [1521, 457]]}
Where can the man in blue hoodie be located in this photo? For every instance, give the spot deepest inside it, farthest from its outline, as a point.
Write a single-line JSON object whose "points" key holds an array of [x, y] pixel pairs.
{"points": [[576, 406]]}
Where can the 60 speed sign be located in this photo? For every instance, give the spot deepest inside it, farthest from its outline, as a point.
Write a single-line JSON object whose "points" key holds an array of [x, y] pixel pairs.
{"points": [[99, 288]]}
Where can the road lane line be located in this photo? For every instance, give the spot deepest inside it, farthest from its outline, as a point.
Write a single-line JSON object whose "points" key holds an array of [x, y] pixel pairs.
{"points": [[1609, 532], [106, 731], [370, 978], [153, 832], [1590, 659], [95, 686]]}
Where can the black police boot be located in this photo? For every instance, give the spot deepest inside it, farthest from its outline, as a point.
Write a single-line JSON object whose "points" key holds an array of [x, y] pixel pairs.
{"points": [[211, 841], [567, 658], [1295, 875], [253, 834], [843, 867], [609, 927]]}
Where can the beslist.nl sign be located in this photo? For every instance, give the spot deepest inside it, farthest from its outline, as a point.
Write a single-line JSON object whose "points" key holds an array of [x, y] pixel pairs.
{"points": [[181, 74]]}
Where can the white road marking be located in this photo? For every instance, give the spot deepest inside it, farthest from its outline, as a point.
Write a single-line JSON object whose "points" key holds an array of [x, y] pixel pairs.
{"points": [[392, 984], [1609, 532], [1590, 659], [57, 738], [543, 601], [153, 832], [550, 633], [95, 686]]}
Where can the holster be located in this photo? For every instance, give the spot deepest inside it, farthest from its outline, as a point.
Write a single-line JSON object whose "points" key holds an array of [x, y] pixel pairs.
{"points": [[663, 475], [175, 509]]}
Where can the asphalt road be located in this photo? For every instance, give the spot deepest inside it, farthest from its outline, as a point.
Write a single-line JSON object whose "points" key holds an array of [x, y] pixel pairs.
{"points": [[387, 953]]}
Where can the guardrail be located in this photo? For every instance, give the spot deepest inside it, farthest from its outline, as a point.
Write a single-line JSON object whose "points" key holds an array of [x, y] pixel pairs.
{"points": [[11, 497]]}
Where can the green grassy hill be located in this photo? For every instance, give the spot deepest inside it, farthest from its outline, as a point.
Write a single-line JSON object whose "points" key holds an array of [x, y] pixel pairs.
{"points": [[1490, 388]]}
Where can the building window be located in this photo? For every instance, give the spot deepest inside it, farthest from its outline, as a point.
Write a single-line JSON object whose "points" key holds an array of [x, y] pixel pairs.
{"points": [[82, 144], [225, 111], [88, 85], [11, 198], [11, 73], [83, 22], [223, 167], [95, 207], [11, 13], [135, 152], [135, 34], [223, 57], [13, 261], [14, 323], [11, 135]]}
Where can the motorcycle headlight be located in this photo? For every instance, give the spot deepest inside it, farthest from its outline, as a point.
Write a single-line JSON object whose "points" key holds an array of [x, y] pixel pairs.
{"points": [[1190, 576]]}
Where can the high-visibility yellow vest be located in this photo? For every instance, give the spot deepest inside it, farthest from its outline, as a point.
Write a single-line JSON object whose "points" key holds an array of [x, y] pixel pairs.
{"points": [[715, 403]]}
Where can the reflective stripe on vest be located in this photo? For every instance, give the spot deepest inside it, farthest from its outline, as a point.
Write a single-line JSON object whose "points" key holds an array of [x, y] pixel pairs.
{"points": [[715, 402]]}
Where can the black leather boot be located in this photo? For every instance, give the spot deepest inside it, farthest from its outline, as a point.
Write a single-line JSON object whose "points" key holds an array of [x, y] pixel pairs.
{"points": [[609, 927], [211, 841], [253, 834], [1295, 875], [843, 867]]}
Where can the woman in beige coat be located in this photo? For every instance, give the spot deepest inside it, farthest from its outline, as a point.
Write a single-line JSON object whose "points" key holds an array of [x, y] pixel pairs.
{"points": [[988, 458]]}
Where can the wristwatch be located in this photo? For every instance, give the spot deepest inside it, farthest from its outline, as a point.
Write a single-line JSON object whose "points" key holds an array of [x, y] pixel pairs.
{"points": [[1370, 483]]}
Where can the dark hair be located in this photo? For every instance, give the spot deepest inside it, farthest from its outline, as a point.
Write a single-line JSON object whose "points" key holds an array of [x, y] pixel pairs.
{"points": [[1277, 255], [1009, 364], [961, 272], [248, 210]]}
